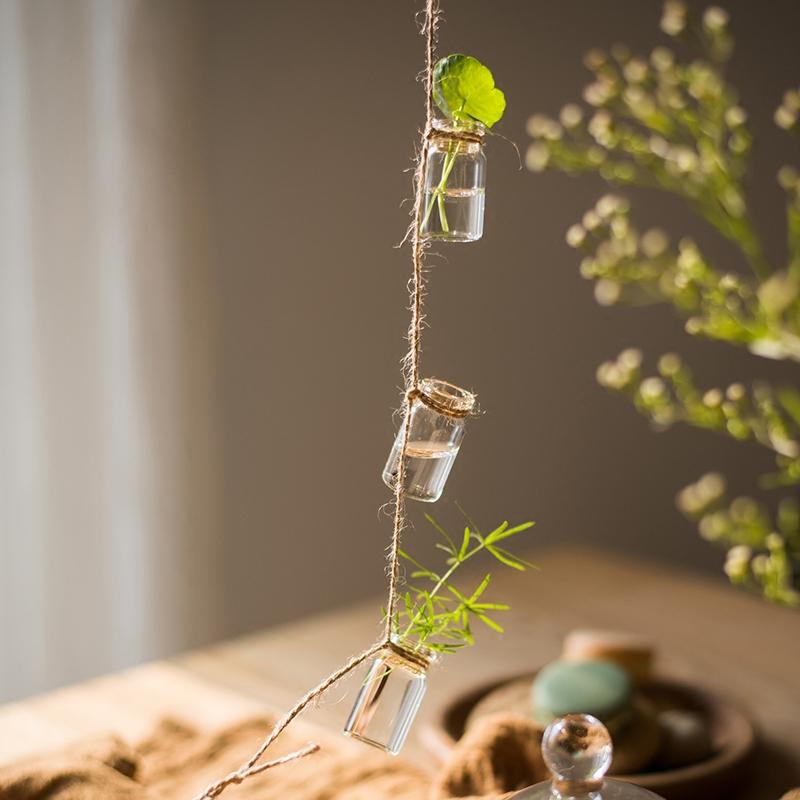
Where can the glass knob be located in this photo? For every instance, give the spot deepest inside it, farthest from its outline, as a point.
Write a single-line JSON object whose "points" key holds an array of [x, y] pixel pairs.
{"points": [[577, 749]]}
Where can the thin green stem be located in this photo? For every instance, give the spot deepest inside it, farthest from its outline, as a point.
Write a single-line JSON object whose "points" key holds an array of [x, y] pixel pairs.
{"points": [[442, 212], [439, 192]]}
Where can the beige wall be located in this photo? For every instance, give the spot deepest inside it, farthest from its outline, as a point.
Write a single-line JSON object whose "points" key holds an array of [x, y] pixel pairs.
{"points": [[313, 115], [203, 313]]}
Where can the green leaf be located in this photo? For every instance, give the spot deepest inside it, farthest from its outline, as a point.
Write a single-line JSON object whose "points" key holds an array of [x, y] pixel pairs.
{"points": [[441, 647], [442, 531], [464, 90], [490, 623], [429, 606], [464, 545], [515, 557], [466, 632], [504, 534], [480, 590], [496, 533], [506, 558]]}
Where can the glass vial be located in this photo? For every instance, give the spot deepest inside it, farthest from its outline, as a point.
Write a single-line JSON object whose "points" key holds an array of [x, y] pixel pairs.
{"points": [[455, 183], [389, 696], [436, 421]]}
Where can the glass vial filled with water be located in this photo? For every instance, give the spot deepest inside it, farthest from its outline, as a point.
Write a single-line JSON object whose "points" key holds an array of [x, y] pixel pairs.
{"points": [[436, 428], [389, 696], [455, 183]]}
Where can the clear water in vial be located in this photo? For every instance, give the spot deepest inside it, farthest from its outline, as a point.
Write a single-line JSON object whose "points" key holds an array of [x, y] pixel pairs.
{"points": [[387, 702], [427, 466], [463, 212]]}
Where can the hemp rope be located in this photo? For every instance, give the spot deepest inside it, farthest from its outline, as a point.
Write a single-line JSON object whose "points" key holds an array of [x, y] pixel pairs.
{"points": [[456, 135], [440, 407], [411, 378]]}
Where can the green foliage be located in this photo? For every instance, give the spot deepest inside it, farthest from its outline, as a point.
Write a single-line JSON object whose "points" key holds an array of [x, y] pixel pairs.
{"points": [[677, 126], [759, 414], [438, 613], [762, 550], [763, 553], [464, 91]]}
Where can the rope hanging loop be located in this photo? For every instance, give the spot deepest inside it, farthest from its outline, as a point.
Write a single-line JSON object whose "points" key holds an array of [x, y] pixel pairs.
{"points": [[444, 397]]}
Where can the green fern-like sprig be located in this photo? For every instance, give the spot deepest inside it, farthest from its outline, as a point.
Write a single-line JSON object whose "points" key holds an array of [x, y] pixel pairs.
{"points": [[437, 613]]}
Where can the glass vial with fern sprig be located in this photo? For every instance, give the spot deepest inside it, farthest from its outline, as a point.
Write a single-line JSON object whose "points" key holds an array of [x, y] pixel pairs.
{"points": [[390, 695], [436, 429], [455, 182]]}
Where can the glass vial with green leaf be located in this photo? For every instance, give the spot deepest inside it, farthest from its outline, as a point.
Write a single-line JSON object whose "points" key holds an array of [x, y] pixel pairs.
{"points": [[390, 696], [455, 183], [455, 169], [436, 430]]}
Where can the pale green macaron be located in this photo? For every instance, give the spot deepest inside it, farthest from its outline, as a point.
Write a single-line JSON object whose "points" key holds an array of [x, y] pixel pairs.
{"points": [[599, 688]]}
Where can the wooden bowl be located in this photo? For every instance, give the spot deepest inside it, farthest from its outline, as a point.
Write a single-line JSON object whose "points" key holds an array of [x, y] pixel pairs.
{"points": [[732, 736]]}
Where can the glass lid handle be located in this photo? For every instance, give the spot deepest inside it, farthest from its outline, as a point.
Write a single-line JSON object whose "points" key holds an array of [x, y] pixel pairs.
{"points": [[577, 749]]}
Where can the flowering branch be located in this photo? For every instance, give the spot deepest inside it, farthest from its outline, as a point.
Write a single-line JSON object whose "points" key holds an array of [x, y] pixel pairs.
{"points": [[678, 127]]}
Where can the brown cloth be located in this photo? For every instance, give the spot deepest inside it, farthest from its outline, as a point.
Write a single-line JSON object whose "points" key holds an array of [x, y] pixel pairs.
{"points": [[177, 762], [498, 755]]}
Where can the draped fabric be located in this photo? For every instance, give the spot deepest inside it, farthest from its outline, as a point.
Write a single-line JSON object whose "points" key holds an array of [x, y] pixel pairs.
{"points": [[108, 438]]}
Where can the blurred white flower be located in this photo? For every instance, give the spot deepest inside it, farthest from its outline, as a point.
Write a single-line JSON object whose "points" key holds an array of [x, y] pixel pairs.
{"points": [[662, 58], [736, 392], [652, 388], [537, 157], [537, 125], [635, 70], [591, 220], [654, 243], [712, 398], [669, 364], [571, 115], [787, 177], [576, 235], [715, 19], [673, 19], [630, 359], [735, 116], [607, 292], [785, 118]]}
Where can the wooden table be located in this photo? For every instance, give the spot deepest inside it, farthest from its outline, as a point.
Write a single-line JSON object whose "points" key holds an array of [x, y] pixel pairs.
{"points": [[707, 633]]}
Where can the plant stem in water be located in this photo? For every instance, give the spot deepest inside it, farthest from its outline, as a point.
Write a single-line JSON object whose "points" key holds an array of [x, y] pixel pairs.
{"points": [[439, 191]]}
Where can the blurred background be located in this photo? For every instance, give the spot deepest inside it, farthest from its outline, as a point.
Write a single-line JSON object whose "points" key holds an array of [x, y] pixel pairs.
{"points": [[202, 312]]}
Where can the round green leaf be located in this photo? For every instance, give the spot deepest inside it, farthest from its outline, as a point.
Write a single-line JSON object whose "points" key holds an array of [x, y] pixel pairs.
{"points": [[464, 90]]}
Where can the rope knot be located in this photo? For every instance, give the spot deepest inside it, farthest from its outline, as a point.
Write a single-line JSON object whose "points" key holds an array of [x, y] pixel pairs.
{"points": [[454, 133], [443, 397]]}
